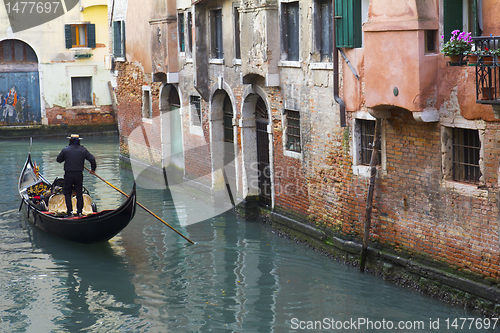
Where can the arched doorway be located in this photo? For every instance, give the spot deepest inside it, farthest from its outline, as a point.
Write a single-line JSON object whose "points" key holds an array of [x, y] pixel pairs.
{"points": [[263, 165], [256, 147], [171, 128], [19, 84], [222, 144]]}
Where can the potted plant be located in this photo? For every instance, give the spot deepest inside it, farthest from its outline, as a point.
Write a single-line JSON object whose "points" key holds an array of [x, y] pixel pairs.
{"points": [[473, 57], [487, 57], [460, 43]]}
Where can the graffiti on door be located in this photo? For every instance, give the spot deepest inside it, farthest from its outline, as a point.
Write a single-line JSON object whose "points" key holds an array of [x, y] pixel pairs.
{"points": [[12, 107]]}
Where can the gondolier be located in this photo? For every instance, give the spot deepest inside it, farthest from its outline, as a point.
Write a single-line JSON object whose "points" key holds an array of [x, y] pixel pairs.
{"points": [[74, 156]]}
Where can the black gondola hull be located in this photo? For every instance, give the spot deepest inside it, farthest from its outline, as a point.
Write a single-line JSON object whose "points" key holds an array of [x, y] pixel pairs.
{"points": [[98, 227]]}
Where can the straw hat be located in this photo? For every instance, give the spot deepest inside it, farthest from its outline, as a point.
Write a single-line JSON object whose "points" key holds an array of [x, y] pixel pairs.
{"points": [[74, 137]]}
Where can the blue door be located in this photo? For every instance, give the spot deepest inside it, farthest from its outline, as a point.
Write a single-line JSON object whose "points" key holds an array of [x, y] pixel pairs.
{"points": [[19, 84], [20, 98]]}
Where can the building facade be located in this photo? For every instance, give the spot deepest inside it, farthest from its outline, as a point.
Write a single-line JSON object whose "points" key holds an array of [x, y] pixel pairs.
{"points": [[277, 101], [54, 65]]}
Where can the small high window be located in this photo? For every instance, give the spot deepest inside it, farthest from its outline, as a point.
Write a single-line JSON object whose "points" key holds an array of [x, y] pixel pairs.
{"points": [[147, 108], [195, 103]]}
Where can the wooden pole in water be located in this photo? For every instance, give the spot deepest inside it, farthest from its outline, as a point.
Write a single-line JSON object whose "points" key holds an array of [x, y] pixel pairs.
{"points": [[140, 205], [369, 199]]}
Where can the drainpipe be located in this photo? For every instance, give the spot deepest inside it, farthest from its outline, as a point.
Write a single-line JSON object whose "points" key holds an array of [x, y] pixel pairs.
{"points": [[336, 75]]}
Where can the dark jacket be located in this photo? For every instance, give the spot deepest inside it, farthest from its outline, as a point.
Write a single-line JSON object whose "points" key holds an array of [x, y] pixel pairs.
{"points": [[74, 157]]}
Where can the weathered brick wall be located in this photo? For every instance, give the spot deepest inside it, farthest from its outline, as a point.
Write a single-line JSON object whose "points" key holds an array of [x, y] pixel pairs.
{"points": [[419, 213], [58, 115], [146, 137]]}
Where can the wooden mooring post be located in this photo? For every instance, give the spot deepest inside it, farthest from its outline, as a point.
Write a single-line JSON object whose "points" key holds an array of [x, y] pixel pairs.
{"points": [[369, 198]]}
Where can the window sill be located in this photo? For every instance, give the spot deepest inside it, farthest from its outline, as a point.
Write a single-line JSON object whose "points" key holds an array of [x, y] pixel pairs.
{"points": [[237, 62], [292, 154], [74, 107], [189, 60], [286, 63], [216, 61], [364, 171], [321, 65], [147, 120], [120, 59], [471, 190], [195, 130]]}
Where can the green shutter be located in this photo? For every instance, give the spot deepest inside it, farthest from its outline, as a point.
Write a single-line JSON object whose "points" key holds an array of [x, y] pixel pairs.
{"points": [[91, 36], [453, 17], [348, 23], [118, 39], [67, 35]]}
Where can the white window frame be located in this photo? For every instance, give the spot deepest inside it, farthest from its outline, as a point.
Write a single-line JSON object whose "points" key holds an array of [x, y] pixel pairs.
{"points": [[357, 168], [147, 104]]}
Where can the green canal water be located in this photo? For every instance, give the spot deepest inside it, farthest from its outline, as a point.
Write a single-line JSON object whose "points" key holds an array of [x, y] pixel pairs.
{"points": [[238, 277]]}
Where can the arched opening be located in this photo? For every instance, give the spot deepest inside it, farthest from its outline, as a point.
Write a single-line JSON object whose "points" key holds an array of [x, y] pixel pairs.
{"points": [[222, 143], [256, 147], [19, 83], [171, 128]]}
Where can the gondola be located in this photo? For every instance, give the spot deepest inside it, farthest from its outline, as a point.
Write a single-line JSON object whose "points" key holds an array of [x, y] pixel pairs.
{"points": [[39, 197]]}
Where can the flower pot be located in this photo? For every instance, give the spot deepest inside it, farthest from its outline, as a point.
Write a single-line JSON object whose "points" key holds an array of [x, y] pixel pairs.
{"points": [[487, 93], [487, 60], [455, 58], [473, 59]]}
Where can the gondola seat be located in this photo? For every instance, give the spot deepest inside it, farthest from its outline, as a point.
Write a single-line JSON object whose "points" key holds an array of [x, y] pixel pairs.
{"points": [[57, 204]]}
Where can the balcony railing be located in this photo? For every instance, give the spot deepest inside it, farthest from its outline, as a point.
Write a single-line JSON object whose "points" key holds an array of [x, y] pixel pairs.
{"points": [[487, 72]]}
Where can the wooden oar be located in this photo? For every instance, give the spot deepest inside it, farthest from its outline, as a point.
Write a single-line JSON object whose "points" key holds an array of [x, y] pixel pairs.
{"points": [[140, 205]]}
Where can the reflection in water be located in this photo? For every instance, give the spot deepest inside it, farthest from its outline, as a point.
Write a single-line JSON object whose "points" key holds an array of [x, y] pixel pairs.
{"points": [[238, 277]]}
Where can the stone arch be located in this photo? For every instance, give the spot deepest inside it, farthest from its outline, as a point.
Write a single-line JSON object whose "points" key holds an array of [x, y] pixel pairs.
{"points": [[171, 126], [250, 171], [20, 91], [224, 170]]}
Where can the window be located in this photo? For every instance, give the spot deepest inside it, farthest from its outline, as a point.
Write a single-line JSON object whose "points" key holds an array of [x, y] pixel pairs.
{"points": [[147, 109], [182, 38], [80, 35], [290, 31], [216, 24], [365, 132], [12, 50], [463, 15], [119, 39], [466, 152], [81, 91], [323, 29], [195, 103], [430, 41], [189, 33], [293, 130], [348, 23], [237, 34]]}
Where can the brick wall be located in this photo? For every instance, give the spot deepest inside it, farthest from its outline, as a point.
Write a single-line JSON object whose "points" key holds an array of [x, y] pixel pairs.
{"points": [[58, 115]]}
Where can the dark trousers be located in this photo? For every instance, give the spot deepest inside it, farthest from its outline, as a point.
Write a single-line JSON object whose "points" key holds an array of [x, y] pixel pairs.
{"points": [[73, 181]]}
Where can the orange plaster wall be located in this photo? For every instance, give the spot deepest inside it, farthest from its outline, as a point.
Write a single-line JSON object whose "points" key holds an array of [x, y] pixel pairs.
{"points": [[391, 61]]}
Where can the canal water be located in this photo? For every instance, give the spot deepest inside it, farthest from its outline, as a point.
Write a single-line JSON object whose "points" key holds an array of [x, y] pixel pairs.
{"points": [[238, 277]]}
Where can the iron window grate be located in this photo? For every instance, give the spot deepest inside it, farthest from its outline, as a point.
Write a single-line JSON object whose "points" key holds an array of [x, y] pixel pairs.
{"points": [[367, 133], [293, 130], [466, 152]]}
